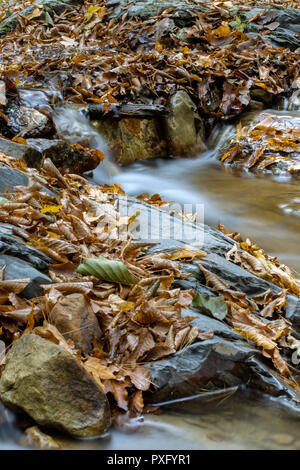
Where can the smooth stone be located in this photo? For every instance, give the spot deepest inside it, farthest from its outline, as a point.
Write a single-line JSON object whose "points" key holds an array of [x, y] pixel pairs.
{"points": [[182, 136], [282, 438], [34, 438], [45, 381]]}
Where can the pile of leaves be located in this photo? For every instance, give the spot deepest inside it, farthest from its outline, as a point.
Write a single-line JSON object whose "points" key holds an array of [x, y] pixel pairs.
{"points": [[94, 254], [274, 140], [130, 291], [103, 60]]}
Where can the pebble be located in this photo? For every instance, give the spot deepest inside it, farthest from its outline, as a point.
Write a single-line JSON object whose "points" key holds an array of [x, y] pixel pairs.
{"points": [[282, 439]]}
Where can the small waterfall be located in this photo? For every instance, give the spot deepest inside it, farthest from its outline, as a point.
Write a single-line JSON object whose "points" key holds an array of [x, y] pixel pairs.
{"points": [[73, 127], [291, 103]]}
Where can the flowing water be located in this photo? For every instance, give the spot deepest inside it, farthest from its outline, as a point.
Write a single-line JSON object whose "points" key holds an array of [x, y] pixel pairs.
{"points": [[263, 208]]}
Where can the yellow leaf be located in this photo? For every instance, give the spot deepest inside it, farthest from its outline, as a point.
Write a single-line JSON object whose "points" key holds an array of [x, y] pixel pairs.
{"points": [[187, 253], [19, 140], [95, 10], [51, 209], [239, 131], [222, 31], [98, 370], [35, 14]]}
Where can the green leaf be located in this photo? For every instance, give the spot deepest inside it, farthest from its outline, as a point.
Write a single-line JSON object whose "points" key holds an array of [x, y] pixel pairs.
{"points": [[49, 19], [239, 24], [107, 270], [3, 200], [215, 306]]}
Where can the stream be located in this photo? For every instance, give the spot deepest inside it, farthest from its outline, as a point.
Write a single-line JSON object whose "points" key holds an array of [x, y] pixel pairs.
{"points": [[267, 210]]}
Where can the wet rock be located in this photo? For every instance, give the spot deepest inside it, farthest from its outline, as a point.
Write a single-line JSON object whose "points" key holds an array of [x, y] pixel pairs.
{"points": [[226, 359], [214, 363], [16, 268], [58, 6], [285, 34], [75, 319], [29, 122], [12, 245], [35, 438], [255, 105], [184, 138], [262, 95], [182, 11], [45, 381], [32, 157], [75, 158], [9, 178], [132, 139]]}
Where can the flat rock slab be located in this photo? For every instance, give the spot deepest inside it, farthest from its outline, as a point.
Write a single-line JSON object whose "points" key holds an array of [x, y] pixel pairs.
{"points": [[45, 381], [12, 245], [30, 155], [18, 269], [214, 364], [172, 233]]}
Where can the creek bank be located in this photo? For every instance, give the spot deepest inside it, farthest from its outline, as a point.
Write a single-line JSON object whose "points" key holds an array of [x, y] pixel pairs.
{"points": [[267, 142]]}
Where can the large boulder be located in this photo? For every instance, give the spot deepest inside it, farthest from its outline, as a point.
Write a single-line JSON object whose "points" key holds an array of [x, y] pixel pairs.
{"points": [[45, 381], [132, 139], [75, 319], [184, 127]]}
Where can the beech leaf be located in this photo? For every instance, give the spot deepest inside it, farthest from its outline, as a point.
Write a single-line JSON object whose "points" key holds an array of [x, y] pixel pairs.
{"points": [[215, 306], [107, 270]]}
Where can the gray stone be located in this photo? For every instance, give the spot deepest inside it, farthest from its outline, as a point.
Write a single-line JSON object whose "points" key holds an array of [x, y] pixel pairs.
{"points": [[9, 178], [181, 128], [286, 34], [18, 269], [12, 245], [32, 157], [182, 11], [45, 381], [29, 122]]}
